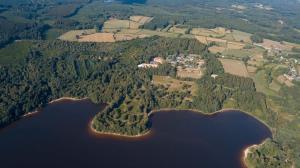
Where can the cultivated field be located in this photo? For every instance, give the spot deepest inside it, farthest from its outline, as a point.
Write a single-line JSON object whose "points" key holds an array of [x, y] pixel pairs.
{"points": [[281, 79], [216, 49], [98, 37], [235, 45], [116, 24], [110, 37], [234, 67], [251, 69], [201, 39], [134, 22], [269, 44], [174, 84]]}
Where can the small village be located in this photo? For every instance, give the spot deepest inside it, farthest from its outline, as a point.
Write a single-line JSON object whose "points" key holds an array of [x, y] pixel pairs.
{"points": [[187, 65]]}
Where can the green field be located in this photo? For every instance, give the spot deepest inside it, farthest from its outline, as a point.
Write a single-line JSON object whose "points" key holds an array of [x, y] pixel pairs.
{"points": [[262, 85], [53, 34], [15, 52]]}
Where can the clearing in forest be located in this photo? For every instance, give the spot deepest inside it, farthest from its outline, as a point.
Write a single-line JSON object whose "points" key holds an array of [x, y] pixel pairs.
{"points": [[234, 67], [175, 84], [178, 30], [195, 73]]}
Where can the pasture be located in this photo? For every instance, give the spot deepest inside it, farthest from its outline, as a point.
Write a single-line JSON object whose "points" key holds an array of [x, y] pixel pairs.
{"points": [[255, 53], [240, 36], [234, 67], [97, 37], [141, 19], [73, 34]]}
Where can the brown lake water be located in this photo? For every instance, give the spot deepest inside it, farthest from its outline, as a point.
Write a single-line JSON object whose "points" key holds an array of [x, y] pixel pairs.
{"points": [[59, 136]]}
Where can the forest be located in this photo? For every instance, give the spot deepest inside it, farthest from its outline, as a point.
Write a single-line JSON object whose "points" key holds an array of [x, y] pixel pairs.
{"points": [[108, 73], [53, 69]]}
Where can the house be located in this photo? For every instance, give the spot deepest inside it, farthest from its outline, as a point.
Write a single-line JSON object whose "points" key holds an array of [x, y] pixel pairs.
{"points": [[214, 76], [159, 60], [148, 65]]}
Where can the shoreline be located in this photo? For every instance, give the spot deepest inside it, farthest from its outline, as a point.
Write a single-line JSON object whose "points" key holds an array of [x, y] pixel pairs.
{"points": [[95, 132], [66, 98], [28, 114], [247, 151], [224, 110]]}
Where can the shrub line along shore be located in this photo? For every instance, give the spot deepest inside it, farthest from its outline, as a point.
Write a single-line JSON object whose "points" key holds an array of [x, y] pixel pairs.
{"points": [[94, 131], [53, 101], [246, 151]]}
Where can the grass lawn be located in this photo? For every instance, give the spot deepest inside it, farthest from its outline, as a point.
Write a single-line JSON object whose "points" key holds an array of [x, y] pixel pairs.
{"points": [[262, 85], [71, 35], [235, 67], [53, 34], [240, 53], [175, 85]]}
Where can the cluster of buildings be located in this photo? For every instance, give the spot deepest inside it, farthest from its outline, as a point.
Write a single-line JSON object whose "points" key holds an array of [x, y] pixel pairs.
{"points": [[292, 74], [261, 6], [153, 64], [186, 61]]}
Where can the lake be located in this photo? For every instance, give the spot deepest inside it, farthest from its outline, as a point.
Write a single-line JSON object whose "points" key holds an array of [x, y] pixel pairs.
{"points": [[59, 136]]}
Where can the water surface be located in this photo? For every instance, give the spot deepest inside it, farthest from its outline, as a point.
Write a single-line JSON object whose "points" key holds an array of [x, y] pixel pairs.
{"points": [[59, 136]]}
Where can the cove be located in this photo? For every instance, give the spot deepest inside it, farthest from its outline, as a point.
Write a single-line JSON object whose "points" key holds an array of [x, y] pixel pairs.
{"points": [[59, 136]]}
